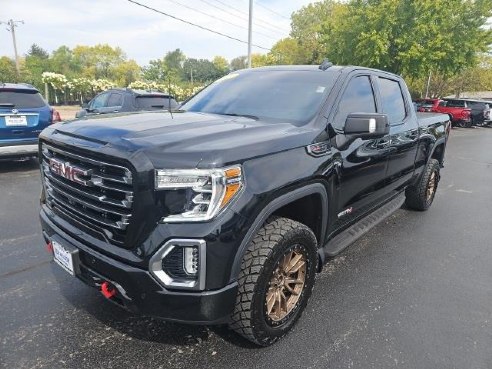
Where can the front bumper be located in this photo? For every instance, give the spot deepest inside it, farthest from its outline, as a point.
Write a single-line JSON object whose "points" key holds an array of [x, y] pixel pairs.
{"points": [[138, 291]]}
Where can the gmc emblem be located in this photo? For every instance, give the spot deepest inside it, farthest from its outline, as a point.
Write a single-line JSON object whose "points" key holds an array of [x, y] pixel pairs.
{"points": [[70, 172]]}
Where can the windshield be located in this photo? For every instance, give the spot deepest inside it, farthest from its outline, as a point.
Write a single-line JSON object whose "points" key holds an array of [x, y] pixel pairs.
{"points": [[275, 96], [21, 99]]}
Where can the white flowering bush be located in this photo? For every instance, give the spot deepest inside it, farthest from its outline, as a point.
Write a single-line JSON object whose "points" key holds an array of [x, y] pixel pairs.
{"points": [[55, 80], [99, 85], [79, 88], [179, 92]]}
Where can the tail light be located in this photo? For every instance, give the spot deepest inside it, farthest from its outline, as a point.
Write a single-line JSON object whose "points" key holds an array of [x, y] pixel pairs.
{"points": [[55, 116]]}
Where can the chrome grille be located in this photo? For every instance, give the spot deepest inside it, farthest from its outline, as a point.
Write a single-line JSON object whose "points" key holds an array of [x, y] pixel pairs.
{"points": [[99, 199]]}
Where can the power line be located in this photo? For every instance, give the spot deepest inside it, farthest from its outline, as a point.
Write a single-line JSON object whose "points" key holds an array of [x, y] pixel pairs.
{"points": [[195, 25], [222, 20], [271, 27], [271, 10]]}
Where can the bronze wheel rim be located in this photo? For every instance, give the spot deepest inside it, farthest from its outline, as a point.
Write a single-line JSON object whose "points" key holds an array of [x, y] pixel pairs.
{"points": [[431, 186], [286, 285]]}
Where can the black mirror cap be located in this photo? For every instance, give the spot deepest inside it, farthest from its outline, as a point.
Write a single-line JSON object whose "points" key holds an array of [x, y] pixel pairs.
{"points": [[367, 125]]}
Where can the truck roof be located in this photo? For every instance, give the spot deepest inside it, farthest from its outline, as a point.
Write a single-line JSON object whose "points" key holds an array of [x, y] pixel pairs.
{"points": [[314, 68]]}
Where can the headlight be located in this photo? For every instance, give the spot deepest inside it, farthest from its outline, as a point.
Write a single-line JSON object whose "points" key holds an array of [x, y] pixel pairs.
{"points": [[211, 190]]}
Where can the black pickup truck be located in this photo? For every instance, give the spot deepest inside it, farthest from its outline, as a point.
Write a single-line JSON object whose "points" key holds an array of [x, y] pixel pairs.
{"points": [[223, 211]]}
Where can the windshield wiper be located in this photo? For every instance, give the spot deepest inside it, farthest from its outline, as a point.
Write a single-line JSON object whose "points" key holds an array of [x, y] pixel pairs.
{"points": [[240, 115]]}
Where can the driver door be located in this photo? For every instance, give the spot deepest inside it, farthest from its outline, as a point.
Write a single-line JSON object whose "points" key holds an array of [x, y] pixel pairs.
{"points": [[362, 163]]}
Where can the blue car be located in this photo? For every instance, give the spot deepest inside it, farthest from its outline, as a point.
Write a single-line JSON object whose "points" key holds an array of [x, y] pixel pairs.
{"points": [[23, 115]]}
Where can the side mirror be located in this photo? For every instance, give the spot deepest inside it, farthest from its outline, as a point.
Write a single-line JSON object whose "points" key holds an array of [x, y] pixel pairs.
{"points": [[85, 106], [366, 125]]}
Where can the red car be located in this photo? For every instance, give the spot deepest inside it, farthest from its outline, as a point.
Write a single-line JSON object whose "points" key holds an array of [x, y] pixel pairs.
{"points": [[459, 114]]}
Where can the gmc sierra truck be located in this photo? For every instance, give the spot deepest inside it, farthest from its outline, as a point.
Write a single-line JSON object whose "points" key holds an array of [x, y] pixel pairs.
{"points": [[224, 210]]}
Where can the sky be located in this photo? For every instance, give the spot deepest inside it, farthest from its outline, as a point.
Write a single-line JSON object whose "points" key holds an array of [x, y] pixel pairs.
{"points": [[142, 33]]}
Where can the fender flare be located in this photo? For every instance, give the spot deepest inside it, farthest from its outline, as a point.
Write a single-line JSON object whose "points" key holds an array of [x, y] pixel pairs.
{"points": [[440, 141], [270, 208]]}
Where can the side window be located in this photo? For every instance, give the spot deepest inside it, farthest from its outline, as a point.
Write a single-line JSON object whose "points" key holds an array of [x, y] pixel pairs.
{"points": [[392, 100], [115, 100], [442, 103], [99, 101], [358, 97]]}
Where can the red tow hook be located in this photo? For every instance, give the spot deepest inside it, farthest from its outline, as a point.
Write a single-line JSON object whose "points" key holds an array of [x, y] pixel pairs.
{"points": [[108, 290], [49, 247]]}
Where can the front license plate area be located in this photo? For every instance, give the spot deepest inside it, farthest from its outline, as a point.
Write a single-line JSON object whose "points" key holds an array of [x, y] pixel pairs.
{"points": [[66, 257], [16, 121]]}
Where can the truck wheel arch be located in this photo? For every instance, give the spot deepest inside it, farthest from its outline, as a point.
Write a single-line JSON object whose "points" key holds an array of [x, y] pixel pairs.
{"points": [[274, 205], [438, 152]]}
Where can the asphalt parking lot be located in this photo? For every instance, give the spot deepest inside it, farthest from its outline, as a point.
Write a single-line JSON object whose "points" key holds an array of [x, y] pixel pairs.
{"points": [[416, 292]]}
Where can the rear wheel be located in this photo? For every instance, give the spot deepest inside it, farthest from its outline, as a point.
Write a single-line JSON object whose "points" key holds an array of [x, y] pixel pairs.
{"points": [[276, 279], [421, 196]]}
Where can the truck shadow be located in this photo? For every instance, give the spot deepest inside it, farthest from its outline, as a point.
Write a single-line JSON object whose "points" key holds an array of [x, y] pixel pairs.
{"points": [[22, 165], [137, 327]]}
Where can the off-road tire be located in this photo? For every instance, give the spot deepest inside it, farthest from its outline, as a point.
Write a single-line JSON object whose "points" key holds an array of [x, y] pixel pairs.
{"points": [[417, 197], [277, 237]]}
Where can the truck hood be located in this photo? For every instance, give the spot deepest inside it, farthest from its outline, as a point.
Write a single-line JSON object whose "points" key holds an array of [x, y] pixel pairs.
{"points": [[189, 139]]}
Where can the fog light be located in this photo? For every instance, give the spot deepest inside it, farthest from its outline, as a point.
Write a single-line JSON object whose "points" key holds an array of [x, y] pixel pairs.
{"points": [[180, 263], [191, 260]]}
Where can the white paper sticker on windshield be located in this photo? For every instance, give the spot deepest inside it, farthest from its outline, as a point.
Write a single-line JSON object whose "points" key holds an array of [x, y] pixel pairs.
{"points": [[320, 89]]}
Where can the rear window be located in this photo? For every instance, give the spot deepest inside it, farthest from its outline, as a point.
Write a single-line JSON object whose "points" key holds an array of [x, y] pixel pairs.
{"points": [[21, 99], [156, 102]]}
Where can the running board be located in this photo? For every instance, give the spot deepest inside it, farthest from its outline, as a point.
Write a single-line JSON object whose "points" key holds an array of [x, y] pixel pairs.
{"points": [[351, 234]]}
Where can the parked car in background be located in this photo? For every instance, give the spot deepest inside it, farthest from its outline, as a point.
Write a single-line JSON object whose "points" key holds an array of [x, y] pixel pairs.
{"points": [[23, 115], [458, 112], [127, 100], [480, 111]]}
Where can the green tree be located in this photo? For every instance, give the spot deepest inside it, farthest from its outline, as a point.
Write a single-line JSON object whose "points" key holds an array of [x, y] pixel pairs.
{"points": [[309, 25], [287, 51], [173, 60], [203, 70], [221, 65], [238, 63], [155, 71], [35, 63], [62, 61], [99, 61], [126, 72], [260, 60], [7, 70], [409, 37], [37, 51]]}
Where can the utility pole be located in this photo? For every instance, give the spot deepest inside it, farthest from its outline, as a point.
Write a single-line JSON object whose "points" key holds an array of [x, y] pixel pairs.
{"points": [[428, 85], [250, 31], [11, 24]]}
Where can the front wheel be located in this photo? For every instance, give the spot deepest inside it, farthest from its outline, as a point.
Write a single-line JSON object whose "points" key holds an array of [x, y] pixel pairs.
{"points": [[276, 279], [421, 196]]}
